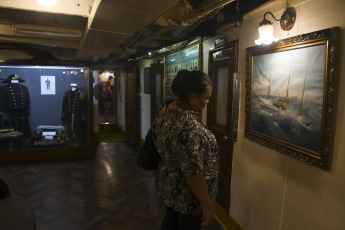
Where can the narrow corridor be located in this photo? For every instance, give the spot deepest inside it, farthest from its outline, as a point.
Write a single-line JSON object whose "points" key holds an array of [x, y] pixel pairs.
{"points": [[105, 192]]}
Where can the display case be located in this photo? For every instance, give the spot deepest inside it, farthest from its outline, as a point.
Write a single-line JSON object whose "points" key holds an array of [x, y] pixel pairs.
{"points": [[45, 112]]}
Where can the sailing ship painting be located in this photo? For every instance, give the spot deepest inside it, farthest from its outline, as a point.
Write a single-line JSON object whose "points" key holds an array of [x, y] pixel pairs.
{"points": [[287, 96]]}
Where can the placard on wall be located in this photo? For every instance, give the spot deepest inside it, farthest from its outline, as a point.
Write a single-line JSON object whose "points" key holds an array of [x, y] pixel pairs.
{"points": [[48, 85], [188, 59]]}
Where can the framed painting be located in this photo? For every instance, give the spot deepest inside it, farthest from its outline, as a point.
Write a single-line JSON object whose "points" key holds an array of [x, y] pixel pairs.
{"points": [[290, 96]]}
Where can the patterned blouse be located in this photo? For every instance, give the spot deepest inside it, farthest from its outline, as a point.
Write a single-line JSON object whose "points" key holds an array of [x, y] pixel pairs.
{"points": [[187, 147]]}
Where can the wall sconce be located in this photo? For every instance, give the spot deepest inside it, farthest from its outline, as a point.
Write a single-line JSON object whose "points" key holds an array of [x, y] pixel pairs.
{"points": [[287, 21]]}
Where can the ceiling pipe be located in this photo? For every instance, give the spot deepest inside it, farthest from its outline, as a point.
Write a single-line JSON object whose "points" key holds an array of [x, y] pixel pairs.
{"points": [[218, 6], [45, 31], [184, 23]]}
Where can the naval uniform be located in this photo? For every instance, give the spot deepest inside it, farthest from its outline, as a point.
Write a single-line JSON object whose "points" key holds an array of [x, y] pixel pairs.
{"points": [[16, 103], [74, 114]]}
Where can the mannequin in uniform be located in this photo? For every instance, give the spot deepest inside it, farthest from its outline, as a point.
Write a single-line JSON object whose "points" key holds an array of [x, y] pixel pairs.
{"points": [[74, 114], [16, 103]]}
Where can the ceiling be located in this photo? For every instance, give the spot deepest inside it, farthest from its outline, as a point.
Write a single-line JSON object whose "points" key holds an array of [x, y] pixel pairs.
{"points": [[110, 31]]}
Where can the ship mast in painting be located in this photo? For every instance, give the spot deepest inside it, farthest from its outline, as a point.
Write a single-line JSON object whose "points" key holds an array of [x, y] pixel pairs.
{"points": [[269, 85], [283, 102], [302, 98]]}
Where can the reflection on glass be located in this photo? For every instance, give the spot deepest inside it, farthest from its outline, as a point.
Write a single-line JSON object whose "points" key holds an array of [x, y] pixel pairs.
{"points": [[221, 97]]}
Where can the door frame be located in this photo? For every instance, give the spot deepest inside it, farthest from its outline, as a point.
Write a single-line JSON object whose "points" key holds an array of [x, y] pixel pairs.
{"points": [[131, 105], [114, 98], [232, 62]]}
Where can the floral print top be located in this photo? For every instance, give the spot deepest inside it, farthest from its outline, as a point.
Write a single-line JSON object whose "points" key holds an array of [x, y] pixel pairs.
{"points": [[187, 147]]}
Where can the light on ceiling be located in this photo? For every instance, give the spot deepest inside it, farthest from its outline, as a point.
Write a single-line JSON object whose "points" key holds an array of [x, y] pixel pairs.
{"points": [[47, 2], [287, 21]]}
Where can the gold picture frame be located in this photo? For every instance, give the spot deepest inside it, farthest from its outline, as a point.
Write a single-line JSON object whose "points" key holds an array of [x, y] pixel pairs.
{"points": [[290, 96]]}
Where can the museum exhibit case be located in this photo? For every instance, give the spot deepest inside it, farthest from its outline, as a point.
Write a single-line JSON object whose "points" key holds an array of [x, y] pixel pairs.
{"points": [[45, 112]]}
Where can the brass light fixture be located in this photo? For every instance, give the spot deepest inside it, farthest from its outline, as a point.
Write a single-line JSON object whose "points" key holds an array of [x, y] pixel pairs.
{"points": [[287, 21]]}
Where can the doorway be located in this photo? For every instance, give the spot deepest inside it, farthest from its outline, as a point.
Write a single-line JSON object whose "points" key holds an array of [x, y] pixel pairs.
{"points": [[156, 86], [106, 95], [132, 105], [223, 65]]}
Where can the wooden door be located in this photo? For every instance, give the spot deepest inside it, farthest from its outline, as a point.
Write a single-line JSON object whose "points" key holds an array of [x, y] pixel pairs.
{"points": [[156, 86], [130, 107], [222, 66]]}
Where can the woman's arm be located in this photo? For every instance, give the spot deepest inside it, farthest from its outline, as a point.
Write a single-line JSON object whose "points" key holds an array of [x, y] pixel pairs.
{"points": [[109, 87], [198, 186]]}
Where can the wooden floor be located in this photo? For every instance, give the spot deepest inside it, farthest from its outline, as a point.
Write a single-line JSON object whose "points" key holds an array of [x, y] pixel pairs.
{"points": [[105, 192]]}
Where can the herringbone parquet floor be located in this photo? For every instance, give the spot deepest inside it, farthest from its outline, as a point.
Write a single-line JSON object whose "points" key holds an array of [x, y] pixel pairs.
{"points": [[105, 192]]}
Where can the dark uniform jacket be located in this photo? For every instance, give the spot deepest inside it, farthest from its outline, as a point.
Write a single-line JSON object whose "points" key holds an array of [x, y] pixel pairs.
{"points": [[73, 111], [15, 100]]}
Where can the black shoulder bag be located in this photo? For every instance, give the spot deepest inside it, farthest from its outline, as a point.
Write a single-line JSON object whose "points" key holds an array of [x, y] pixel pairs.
{"points": [[148, 157]]}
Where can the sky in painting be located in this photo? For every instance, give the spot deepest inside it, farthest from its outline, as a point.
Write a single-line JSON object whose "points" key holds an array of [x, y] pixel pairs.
{"points": [[306, 63]]}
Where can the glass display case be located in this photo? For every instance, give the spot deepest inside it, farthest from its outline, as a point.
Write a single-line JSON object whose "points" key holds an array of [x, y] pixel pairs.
{"points": [[45, 112]]}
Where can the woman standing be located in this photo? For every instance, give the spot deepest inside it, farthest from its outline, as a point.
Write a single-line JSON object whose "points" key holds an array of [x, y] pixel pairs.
{"points": [[187, 174], [108, 93]]}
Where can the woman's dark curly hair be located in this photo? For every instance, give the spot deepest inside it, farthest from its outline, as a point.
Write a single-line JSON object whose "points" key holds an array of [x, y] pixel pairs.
{"points": [[189, 82]]}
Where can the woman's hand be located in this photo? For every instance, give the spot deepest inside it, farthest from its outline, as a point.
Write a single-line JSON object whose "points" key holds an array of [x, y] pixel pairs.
{"points": [[207, 214]]}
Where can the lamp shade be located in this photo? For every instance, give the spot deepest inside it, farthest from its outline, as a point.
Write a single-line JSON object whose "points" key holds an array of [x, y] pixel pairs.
{"points": [[266, 35], [47, 2]]}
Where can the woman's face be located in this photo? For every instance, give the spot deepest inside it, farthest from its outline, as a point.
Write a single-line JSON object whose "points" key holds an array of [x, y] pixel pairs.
{"points": [[198, 103]]}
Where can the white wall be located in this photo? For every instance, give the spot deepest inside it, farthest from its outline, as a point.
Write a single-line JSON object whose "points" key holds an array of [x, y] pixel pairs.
{"points": [[269, 190], [145, 101]]}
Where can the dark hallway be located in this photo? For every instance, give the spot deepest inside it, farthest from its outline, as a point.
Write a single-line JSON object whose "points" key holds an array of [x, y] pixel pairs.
{"points": [[105, 192]]}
